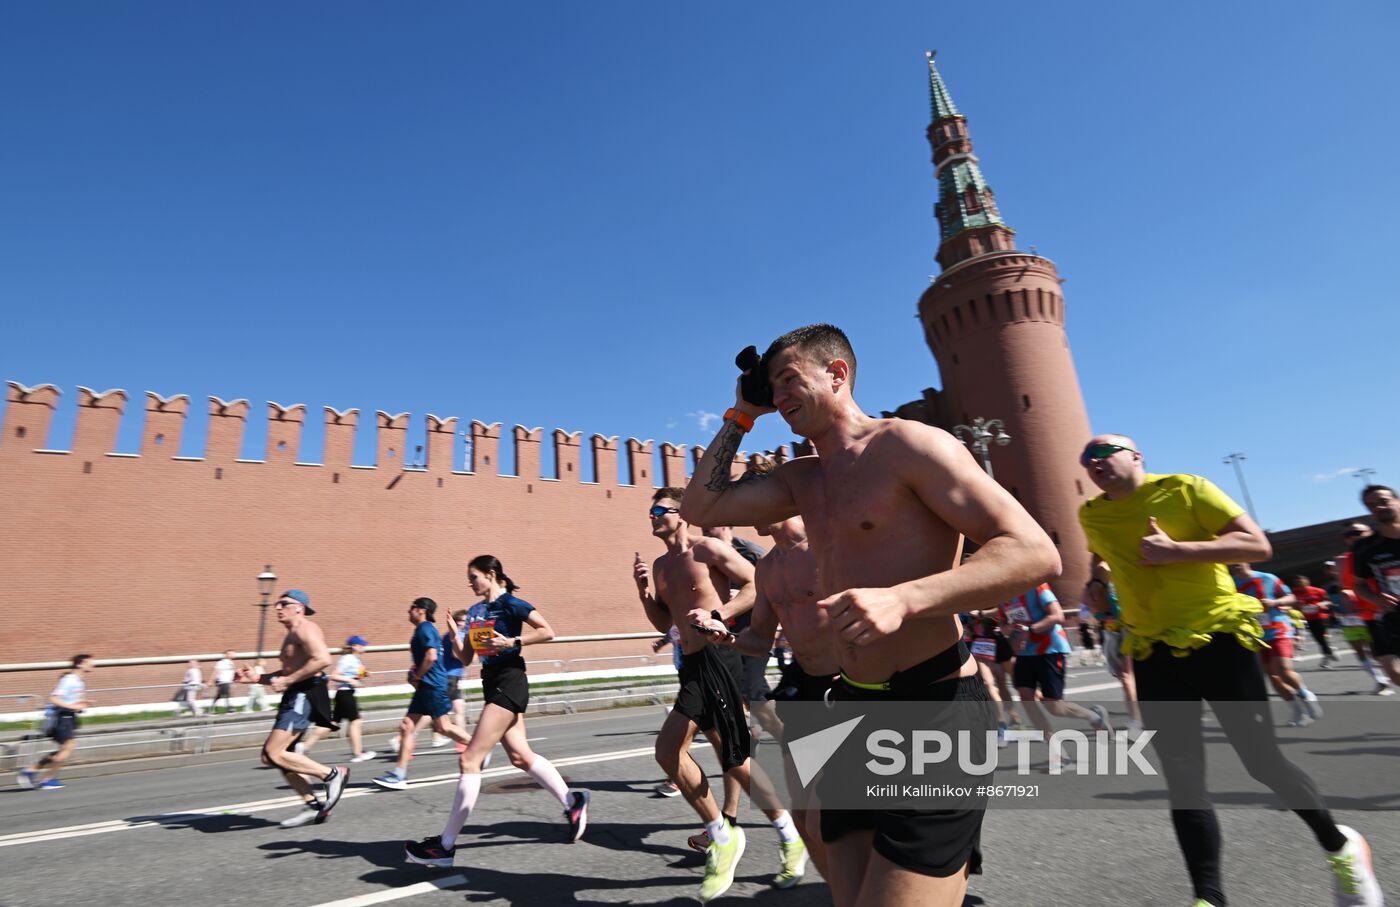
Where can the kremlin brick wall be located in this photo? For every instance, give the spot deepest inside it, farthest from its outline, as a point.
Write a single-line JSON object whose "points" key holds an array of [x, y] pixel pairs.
{"points": [[154, 554]]}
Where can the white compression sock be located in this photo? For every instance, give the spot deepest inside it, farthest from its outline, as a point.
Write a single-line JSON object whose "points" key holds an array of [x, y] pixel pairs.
{"points": [[787, 829], [719, 830], [547, 777], [468, 787]]}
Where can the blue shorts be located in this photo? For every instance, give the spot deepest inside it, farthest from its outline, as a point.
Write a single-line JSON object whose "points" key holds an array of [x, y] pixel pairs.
{"points": [[294, 714], [429, 701]]}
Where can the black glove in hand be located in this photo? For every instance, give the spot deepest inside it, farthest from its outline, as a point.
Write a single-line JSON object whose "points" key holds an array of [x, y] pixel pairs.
{"points": [[753, 384]]}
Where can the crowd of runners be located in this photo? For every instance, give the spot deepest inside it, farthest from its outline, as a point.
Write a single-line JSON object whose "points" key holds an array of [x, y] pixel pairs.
{"points": [[868, 583]]}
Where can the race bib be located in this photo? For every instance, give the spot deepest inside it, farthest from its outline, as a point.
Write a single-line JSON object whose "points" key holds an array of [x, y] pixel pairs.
{"points": [[1390, 581], [1018, 615], [984, 648], [481, 632], [1352, 620]]}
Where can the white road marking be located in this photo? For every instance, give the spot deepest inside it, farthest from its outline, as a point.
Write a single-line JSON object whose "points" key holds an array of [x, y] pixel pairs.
{"points": [[98, 828], [394, 894]]}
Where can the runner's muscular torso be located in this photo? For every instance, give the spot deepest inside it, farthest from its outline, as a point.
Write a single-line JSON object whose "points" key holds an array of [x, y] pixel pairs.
{"points": [[299, 645], [788, 580], [684, 583], [868, 528]]}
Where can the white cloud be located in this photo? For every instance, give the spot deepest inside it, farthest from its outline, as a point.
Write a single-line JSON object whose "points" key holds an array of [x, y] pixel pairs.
{"points": [[1338, 474], [705, 420]]}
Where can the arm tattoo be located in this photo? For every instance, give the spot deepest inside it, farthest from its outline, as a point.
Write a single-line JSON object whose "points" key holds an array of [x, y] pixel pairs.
{"points": [[726, 446]]}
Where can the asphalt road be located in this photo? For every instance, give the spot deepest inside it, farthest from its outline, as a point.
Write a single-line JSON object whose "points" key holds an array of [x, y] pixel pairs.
{"points": [[155, 834]]}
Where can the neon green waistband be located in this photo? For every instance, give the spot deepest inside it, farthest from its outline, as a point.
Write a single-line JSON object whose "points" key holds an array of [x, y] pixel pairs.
{"points": [[882, 686]]}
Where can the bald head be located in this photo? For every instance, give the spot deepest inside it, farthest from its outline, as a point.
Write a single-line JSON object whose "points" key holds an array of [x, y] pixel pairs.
{"points": [[1113, 463]]}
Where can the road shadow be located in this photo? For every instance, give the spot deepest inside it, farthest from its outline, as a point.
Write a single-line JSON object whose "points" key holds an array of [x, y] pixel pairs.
{"points": [[208, 823]]}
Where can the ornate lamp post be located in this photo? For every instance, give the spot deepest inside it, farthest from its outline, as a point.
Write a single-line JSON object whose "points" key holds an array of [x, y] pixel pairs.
{"points": [[980, 435], [267, 581]]}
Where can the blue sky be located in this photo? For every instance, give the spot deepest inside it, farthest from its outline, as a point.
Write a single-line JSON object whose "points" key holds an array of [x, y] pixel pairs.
{"points": [[572, 214]]}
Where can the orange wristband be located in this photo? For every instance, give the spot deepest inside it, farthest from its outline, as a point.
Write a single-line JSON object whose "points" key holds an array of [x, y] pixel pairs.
{"points": [[742, 419]]}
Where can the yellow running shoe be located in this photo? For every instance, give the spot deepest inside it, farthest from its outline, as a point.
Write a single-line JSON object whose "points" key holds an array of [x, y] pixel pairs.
{"points": [[794, 864], [720, 862]]}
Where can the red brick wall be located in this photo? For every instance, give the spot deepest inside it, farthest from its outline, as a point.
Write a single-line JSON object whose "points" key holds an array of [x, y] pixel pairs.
{"points": [[126, 556]]}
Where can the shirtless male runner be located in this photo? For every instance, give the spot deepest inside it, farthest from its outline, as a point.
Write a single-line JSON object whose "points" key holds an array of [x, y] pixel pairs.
{"points": [[304, 702], [694, 574], [886, 503], [786, 594]]}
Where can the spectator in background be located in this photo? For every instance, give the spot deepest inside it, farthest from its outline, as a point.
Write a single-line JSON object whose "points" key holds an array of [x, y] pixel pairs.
{"points": [[60, 725], [187, 697], [257, 696], [223, 680]]}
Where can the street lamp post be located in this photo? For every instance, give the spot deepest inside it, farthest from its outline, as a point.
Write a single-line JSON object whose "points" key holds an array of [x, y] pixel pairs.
{"points": [[1235, 459], [267, 581], [980, 435]]}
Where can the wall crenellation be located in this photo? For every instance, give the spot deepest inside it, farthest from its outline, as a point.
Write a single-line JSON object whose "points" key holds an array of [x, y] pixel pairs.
{"points": [[29, 414]]}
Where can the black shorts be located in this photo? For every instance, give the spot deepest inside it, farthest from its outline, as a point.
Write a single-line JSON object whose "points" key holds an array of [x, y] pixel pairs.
{"points": [[1043, 672], [504, 683], [1385, 634], [796, 685], [710, 696], [1004, 651], [347, 707], [303, 704], [755, 681], [933, 842], [61, 726]]}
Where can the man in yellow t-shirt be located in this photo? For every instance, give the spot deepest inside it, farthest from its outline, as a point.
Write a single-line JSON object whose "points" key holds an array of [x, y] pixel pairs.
{"points": [[1193, 638]]}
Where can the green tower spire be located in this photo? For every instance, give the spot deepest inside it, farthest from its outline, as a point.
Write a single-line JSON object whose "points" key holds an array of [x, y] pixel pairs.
{"points": [[969, 222], [940, 101]]}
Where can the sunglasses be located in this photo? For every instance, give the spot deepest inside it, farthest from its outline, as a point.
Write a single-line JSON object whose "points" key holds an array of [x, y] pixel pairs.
{"points": [[659, 511], [286, 604], [1101, 452], [1351, 534]]}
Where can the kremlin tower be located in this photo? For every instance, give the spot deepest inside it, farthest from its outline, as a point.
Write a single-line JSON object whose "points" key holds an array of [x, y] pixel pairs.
{"points": [[994, 318]]}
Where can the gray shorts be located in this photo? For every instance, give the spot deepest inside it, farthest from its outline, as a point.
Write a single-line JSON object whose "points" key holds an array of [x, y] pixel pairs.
{"points": [[294, 714], [454, 688]]}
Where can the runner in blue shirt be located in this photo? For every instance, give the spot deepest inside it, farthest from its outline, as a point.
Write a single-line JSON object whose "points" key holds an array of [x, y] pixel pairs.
{"points": [[497, 628], [429, 679]]}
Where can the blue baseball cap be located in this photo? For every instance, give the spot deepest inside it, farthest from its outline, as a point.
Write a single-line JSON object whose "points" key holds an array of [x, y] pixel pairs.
{"points": [[357, 641], [301, 597]]}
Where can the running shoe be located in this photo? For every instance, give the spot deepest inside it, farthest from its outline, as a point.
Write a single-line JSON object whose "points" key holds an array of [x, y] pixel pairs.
{"points": [[308, 814], [1001, 737], [391, 781], [51, 784], [299, 749], [25, 779], [335, 786], [1102, 722], [1310, 704], [1383, 689], [720, 862], [438, 740], [1060, 764], [700, 842], [1353, 874], [577, 813], [794, 858], [668, 789], [394, 744], [1303, 720], [429, 852], [1326, 663], [1134, 727], [364, 757]]}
